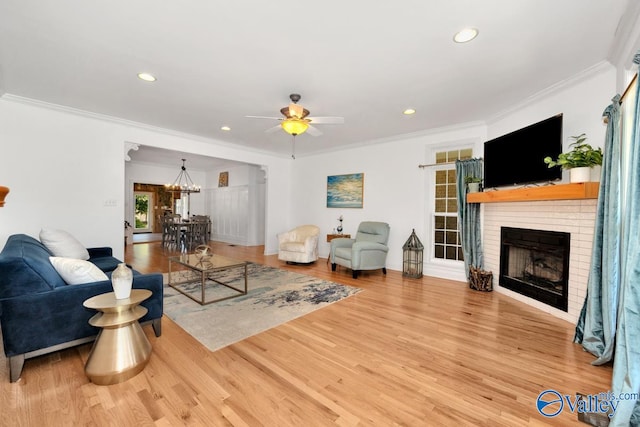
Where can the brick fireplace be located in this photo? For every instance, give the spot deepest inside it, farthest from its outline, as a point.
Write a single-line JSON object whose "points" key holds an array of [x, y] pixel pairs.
{"points": [[576, 217]]}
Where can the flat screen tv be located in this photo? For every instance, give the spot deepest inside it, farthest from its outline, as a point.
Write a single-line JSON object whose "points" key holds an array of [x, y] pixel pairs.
{"points": [[517, 157]]}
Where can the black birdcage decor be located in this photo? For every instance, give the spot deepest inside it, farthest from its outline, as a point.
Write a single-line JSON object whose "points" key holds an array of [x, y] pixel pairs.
{"points": [[412, 257]]}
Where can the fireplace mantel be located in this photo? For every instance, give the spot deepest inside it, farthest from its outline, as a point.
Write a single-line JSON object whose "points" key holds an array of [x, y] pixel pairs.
{"points": [[582, 190]]}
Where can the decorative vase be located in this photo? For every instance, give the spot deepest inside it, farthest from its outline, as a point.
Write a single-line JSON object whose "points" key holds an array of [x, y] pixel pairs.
{"points": [[121, 280], [580, 174], [474, 187]]}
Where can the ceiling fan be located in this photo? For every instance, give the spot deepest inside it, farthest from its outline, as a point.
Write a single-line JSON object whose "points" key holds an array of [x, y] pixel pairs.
{"points": [[296, 120]]}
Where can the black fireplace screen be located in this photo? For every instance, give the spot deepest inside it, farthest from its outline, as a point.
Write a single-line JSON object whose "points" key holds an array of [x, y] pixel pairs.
{"points": [[535, 263]]}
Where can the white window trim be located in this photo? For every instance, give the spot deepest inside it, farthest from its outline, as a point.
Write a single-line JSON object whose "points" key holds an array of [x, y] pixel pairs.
{"points": [[443, 268]]}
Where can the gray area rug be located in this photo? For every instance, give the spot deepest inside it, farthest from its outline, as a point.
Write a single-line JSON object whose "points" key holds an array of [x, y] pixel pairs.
{"points": [[274, 297]]}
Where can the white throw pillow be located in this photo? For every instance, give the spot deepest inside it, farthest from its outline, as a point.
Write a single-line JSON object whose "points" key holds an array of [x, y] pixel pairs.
{"points": [[77, 271], [63, 244]]}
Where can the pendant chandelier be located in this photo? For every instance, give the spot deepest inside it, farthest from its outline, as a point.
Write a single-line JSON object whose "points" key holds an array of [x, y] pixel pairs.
{"points": [[183, 183]]}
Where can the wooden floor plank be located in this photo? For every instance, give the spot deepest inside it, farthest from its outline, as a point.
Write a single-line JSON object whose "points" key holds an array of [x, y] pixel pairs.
{"points": [[403, 351]]}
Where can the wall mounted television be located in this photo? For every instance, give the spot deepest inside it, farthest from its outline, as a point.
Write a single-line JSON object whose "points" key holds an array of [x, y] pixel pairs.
{"points": [[517, 157]]}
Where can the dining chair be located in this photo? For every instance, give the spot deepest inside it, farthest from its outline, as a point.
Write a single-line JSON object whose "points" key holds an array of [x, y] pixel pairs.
{"points": [[171, 234]]}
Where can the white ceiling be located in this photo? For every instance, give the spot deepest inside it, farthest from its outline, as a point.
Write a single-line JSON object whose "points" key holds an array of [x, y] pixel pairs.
{"points": [[218, 61]]}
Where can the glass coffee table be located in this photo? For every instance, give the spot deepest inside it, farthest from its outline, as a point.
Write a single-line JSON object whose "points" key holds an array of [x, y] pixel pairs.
{"points": [[197, 273]]}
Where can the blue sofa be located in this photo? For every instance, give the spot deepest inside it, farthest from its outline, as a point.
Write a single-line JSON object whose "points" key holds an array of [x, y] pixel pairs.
{"points": [[40, 313]]}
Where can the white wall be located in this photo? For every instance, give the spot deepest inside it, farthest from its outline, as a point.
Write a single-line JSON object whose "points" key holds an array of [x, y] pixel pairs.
{"points": [[238, 175], [238, 210], [395, 188], [66, 170]]}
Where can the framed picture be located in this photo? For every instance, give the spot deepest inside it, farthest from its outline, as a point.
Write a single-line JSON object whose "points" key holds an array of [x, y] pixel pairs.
{"points": [[223, 179], [345, 191]]}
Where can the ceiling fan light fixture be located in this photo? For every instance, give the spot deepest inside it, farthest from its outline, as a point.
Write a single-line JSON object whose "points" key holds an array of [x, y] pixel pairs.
{"points": [[295, 126]]}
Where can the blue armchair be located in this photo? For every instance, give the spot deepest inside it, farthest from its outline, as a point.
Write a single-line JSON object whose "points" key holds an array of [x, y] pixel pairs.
{"points": [[368, 251]]}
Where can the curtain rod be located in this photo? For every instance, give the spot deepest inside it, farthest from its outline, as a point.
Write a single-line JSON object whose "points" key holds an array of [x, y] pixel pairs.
{"points": [[624, 94], [435, 164]]}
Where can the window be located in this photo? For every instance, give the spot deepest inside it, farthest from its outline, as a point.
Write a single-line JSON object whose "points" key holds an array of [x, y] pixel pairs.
{"points": [[446, 237]]}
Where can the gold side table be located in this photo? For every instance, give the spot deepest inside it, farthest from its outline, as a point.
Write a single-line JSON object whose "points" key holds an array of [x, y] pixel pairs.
{"points": [[121, 349]]}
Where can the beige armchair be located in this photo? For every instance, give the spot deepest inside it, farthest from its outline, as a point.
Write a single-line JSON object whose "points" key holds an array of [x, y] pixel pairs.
{"points": [[299, 245]]}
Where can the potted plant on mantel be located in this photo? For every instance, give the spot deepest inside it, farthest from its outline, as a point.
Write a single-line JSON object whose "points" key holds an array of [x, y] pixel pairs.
{"points": [[473, 183], [580, 160]]}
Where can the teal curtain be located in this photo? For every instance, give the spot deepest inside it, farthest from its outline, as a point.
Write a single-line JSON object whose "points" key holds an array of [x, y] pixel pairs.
{"points": [[626, 364], [469, 215], [596, 327]]}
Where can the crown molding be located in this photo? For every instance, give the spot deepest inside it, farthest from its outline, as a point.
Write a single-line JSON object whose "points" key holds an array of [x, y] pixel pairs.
{"points": [[119, 121], [594, 70], [399, 137]]}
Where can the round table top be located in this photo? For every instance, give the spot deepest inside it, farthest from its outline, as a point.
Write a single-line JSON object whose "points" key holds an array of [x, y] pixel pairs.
{"points": [[108, 301]]}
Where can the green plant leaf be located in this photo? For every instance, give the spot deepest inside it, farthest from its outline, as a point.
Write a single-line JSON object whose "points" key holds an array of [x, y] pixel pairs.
{"points": [[581, 155]]}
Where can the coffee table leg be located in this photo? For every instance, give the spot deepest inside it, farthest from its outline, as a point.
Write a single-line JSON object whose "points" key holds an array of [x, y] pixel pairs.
{"points": [[204, 277], [202, 281]]}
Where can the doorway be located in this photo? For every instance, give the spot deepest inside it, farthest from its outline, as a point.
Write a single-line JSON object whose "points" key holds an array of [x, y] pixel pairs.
{"points": [[143, 211]]}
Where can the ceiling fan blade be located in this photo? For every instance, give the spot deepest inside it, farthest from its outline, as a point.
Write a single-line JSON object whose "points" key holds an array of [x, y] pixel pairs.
{"points": [[313, 131], [273, 129], [264, 117], [326, 120]]}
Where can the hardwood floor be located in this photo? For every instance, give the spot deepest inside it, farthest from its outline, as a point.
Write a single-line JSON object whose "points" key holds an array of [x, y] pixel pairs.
{"points": [[402, 352]]}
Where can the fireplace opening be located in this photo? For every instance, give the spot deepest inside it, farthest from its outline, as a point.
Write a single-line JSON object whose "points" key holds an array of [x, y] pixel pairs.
{"points": [[535, 263]]}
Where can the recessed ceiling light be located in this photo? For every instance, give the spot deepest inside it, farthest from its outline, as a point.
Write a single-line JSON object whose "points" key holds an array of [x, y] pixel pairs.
{"points": [[226, 128], [146, 77], [409, 111], [465, 35]]}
